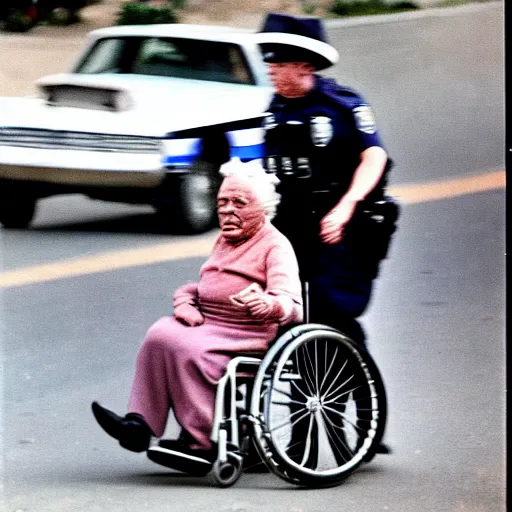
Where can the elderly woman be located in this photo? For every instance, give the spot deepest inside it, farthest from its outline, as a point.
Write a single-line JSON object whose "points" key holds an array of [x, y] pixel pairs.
{"points": [[247, 288]]}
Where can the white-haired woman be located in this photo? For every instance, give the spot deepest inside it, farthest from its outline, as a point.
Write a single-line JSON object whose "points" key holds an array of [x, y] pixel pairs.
{"points": [[248, 287]]}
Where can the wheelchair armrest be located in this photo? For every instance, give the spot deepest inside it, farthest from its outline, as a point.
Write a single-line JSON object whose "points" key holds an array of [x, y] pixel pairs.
{"points": [[282, 329]]}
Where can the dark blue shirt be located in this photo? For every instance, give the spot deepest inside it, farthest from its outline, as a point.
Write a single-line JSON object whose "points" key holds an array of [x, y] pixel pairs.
{"points": [[318, 139]]}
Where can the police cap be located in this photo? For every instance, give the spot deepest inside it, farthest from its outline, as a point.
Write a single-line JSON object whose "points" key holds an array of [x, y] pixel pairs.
{"points": [[285, 38]]}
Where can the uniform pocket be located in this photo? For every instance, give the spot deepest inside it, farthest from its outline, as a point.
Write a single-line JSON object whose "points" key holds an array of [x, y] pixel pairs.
{"points": [[373, 226]]}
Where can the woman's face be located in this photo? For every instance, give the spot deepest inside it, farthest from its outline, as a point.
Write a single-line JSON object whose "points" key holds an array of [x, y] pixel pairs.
{"points": [[241, 214]]}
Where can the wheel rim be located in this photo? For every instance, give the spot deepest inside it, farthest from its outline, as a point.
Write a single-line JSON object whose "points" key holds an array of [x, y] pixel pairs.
{"points": [[327, 394]]}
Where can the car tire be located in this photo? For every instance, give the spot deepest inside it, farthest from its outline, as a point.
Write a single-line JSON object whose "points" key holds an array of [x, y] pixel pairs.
{"points": [[192, 208], [16, 212]]}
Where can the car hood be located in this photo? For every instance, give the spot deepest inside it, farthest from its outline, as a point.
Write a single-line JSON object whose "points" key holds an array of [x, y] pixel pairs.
{"points": [[150, 106]]}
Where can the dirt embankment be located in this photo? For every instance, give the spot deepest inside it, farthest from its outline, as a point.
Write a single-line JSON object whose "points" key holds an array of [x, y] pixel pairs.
{"points": [[239, 13], [23, 57]]}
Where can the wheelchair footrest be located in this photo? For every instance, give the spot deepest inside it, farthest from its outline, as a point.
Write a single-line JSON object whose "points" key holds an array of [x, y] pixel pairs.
{"points": [[192, 462]]}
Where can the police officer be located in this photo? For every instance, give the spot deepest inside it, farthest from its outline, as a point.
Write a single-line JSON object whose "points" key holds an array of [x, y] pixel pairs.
{"points": [[322, 142]]}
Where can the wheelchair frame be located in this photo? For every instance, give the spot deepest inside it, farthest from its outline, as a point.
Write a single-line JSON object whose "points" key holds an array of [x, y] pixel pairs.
{"points": [[234, 427], [314, 409]]}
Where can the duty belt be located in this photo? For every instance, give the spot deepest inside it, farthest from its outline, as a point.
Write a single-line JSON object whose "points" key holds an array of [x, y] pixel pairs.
{"points": [[288, 166]]}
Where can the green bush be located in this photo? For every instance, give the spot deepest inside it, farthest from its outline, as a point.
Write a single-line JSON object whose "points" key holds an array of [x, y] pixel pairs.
{"points": [[60, 17], [366, 7], [405, 6], [178, 4], [16, 21], [136, 13], [309, 8]]}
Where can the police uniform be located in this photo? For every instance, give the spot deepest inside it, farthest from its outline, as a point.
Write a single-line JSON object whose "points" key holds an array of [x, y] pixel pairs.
{"points": [[313, 144]]}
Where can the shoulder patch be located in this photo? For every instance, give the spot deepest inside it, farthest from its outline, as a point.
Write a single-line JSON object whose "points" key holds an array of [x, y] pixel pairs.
{"points": [[365, 120]]}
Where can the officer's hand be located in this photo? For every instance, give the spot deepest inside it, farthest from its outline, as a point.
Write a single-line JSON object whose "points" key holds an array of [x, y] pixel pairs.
{"points": [[333, 224]]}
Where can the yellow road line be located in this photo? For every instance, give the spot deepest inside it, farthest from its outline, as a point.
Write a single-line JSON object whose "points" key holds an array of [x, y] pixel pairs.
{"points": [[434, 191], [107, 261], [201, 247]]}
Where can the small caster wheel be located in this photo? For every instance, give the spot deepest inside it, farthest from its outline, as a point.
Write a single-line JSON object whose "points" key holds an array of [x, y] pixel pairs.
{"points": [[226, 473]]}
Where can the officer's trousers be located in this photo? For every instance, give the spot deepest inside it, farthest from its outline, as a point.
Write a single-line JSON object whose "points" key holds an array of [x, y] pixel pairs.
{"points": [[340, 285], [340, 280]]}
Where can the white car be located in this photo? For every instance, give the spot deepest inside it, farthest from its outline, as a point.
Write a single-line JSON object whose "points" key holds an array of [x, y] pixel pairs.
{"points": [[130, 122]]}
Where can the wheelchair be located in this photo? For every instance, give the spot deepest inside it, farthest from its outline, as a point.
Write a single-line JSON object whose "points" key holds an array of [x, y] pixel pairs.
{"points": [[313, 407]]}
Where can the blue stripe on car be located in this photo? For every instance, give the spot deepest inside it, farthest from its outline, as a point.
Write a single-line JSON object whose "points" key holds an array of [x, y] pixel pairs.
{"points": [[243, 152], [248, 152], [180, 159]]}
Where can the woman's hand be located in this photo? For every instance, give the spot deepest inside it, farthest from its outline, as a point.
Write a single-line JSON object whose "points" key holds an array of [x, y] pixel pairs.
{"points": [[333, 225], [261, 305], [188, 314], [264, 307]]}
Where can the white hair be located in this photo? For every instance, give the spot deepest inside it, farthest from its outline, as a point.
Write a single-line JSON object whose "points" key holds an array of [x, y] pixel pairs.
{"points": [[261, 183]]}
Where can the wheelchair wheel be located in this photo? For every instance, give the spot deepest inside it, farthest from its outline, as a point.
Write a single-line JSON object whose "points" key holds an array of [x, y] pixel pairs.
{"points": [[228, 472], [320, 404]]}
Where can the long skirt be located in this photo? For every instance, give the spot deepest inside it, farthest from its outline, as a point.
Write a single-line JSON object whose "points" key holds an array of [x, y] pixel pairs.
{"points": [[179, 367]]}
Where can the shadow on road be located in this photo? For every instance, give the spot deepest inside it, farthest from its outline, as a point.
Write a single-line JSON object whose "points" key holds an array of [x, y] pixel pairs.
{"points": [[247, 481], [137, 223]]}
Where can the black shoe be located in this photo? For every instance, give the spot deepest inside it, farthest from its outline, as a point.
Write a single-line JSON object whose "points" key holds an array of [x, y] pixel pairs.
{"points": [[382, 448], [178, 455], [132, 431]]}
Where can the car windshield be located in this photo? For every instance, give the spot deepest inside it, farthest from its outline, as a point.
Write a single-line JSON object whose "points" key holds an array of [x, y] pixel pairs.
{"points": [[171, 57]]}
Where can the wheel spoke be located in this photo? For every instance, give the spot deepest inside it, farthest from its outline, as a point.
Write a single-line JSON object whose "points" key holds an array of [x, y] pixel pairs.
{"points": [[326, 413], [289, 395], [307, 374], [330, 366], [287, 403], [289, 448], [361, 409], [335, 443], [347, 392], [344, 417], [340, 386], [373, 409], [307, 448], [294, 384], [361, 398], [287, 422], [316, 367], [336, 378]]}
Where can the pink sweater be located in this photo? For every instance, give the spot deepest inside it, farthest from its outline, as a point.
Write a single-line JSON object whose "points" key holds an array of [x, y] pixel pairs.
{"points": [[179, 366], [266, 259]]}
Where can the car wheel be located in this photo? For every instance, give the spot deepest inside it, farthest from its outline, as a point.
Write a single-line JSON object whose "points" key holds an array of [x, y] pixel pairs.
{"points": [[16, 212], [193, 208]]}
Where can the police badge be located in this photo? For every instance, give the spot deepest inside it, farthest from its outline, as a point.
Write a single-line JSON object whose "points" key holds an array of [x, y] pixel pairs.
{"points": [[321, 130]]}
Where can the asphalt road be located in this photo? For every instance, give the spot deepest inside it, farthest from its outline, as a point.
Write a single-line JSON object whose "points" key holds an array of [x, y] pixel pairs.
{"points": [[436, 323]]}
